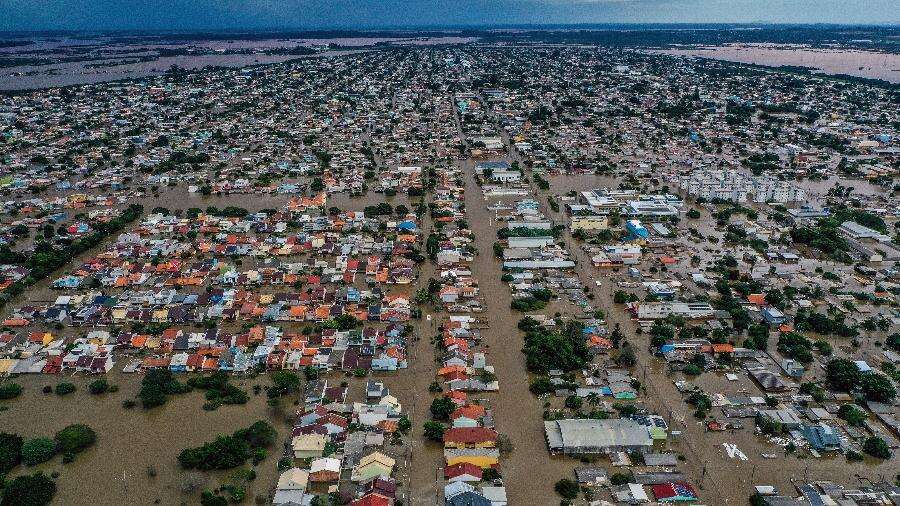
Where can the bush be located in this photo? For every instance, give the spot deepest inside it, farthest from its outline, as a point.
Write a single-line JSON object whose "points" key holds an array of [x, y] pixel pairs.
{"points": [[842, 374], [852, 414], [567, 488], [34, 490], [37, 451], [65, 389], [541, 385], [10, 451], [573, 402], [218, 390], [98, 387], [442, 407], [228, 452], [434, 431], [619, 479], [876, 447], [853, 456], [10, 391], [157, 385], [877, 387], [75, 438], [208, 498]]}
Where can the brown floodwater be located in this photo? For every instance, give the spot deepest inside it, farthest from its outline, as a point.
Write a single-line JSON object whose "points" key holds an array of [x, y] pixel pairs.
{"points": [[132, 442], [884, 66]]}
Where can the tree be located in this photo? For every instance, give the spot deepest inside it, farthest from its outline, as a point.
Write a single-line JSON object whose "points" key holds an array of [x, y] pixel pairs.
{"points": [[842, 374], [541, 385], [442, 407], [852, 414], [157, 385], [10, 451], [65, 389], [759, 336], [434, 431], [403, 425], [34, 490], [876, 447], [626, 357], [877, 387], [813, 390], [260, 434], [208, 498], [893, 342], [75, 438], [619, 479], [10, 391], [98, 387], [573, 402], [284, 382], [226, 452], [567, 488], [38, 450]]}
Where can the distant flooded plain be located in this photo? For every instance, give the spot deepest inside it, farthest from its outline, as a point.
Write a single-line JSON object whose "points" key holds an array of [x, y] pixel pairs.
{"points": [[873, 65]]}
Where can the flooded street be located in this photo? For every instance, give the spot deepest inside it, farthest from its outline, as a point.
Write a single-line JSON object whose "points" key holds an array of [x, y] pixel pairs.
{"points": [[529, 471]]}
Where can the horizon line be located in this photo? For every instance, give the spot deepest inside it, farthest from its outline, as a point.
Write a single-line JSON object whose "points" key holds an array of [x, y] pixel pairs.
{"points": [[443, 27]]}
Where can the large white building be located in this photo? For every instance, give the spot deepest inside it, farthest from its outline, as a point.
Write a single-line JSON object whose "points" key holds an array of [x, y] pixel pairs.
{"points": [[735, 186]]}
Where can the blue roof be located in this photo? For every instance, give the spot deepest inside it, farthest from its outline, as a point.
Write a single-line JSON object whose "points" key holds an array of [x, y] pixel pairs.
{"points": [[821, 436]]}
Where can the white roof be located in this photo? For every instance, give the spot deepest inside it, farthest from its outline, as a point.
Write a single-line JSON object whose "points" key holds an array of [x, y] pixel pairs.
{"points": [[325, 464], [637, 491], [293, 479]]}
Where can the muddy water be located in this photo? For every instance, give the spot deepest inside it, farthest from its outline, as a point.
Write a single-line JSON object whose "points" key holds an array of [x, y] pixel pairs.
{"points": [[873, 65], [131, 441], [69, 74], [115, 470], [720, 479], [529, 471]]}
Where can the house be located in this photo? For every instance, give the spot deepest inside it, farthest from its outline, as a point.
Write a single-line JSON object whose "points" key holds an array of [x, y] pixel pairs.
{"points": [[373, 465], [470, 437], [630, 493], [463, 472], [773, 316], [822, 437], [674, 492], [496, 495], [373, 499], [462, 494], [481, 457], [469, 415], [291, 487], [324, 470], [308, 446], [787, 417], [468, 499]]}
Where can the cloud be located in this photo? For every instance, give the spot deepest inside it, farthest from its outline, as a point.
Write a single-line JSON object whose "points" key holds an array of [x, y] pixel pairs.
{"points": [[304, 14]]}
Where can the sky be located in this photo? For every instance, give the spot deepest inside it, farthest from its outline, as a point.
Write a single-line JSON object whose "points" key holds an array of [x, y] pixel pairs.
{"points": [[17, 15]]}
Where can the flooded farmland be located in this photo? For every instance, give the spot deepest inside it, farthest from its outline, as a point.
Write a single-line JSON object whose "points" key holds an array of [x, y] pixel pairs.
{"points": [[872, 65], [135, 458]]}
